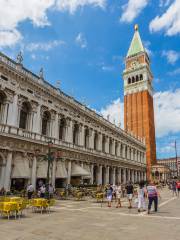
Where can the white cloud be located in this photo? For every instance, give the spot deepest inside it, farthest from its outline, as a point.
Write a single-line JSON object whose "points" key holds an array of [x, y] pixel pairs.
{"points": [[115, 111], [132, 9], [81, 40], [172, 56], [73, 5], [166, 108], [45, 46], [169, 21], [14, 12], [164, 3], [167, 112], [9, 37]]}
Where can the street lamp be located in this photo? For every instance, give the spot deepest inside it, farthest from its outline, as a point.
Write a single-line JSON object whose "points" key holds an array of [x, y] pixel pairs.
{"points": [[50, 159]]}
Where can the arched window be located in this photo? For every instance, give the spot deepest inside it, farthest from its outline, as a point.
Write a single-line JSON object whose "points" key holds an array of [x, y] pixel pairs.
{"points": [[86, 138], [133, 79], [62, 129], [2, 101], [75, 133], [96, 141], [137, 78], [126, 152], [46, 123], [24, 115], [116, 148], [141, 77], [129, 80], [110, 146], [103, 143]]}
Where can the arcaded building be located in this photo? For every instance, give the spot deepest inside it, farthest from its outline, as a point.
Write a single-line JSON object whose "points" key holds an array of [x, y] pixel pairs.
{"points": [[85, 146]]}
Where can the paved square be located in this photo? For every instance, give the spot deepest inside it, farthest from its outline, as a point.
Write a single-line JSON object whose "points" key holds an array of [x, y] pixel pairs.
{"points": [[87, 220]]}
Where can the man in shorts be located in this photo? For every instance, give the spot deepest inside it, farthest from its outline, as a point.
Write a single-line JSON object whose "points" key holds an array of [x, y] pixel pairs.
{"points": [[129, 192]]}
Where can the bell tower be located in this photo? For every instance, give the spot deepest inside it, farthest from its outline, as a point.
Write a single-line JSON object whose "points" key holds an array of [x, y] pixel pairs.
{"points": [[138, 97]]}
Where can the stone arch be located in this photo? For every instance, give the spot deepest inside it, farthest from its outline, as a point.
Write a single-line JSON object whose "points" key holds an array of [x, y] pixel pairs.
{"points": [[75, 133], [24, 119], [129, 80], [46, 119], [96, 138], [133, 79], [141, 77], [137, 78], [86, 137], [110, 145], [3, 98], [62, 128], [103, 143]]}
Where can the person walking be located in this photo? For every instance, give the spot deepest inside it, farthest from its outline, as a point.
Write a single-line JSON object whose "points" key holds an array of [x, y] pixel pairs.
{"points": [[174, 189], [42, 191], [129, 192], [30, 191], [153, 194], [141, 193], [118, 191], [178, 187], [109, 193]]}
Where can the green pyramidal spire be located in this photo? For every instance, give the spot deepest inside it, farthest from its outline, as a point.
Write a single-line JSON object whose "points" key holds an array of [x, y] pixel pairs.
{"points": [[136, 44]]}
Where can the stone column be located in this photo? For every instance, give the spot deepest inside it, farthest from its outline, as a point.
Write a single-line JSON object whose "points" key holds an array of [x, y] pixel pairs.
{"points": [[124, 175], [132, 154], [100, 142], [8, 170], [107, 145], [135, 177], [33, 173], [99, 175], [69, 173], [107, 175], [91, 138], [113, 147], [119, 175], [81, 135], [132, 175], [69, 131], [114, 176], [55, 129], [124, 150], [129, 174], [54, 173], [2, 175], [118, 149], [13, 112], [92, 174]]}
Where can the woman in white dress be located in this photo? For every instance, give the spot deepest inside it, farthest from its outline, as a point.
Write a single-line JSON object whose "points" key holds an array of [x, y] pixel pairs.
{"points": [[141, 197], [118, 195]]}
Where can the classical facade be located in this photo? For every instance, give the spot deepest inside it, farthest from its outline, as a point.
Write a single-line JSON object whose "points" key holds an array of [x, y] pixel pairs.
{"points": [[160, 172], [172, 163], [138, 98], [86, 147]]}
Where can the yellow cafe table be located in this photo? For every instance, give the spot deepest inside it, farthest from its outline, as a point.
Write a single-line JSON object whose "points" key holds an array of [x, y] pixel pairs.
{"points": [[39, 203], [8, 208]]}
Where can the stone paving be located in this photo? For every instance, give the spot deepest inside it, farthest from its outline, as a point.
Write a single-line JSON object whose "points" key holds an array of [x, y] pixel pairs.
{"points": [[88, 220]]}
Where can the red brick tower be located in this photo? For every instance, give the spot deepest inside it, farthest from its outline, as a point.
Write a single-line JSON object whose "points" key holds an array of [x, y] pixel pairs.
{"points": [[138, 98]]}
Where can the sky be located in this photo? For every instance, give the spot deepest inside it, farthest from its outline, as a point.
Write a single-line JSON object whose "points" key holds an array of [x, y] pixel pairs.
{"points": [[83, 44]]}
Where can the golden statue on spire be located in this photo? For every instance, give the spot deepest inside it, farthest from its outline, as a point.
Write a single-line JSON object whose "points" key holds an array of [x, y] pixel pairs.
{"points": [[136, 27]]}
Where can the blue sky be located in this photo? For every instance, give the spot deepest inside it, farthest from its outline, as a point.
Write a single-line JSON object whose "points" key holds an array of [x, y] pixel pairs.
{"points": [[83, 44]]}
